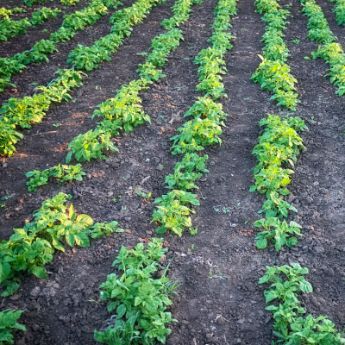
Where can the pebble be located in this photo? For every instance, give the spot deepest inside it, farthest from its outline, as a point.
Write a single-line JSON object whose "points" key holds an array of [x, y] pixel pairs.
{"points": [[35, 291]]}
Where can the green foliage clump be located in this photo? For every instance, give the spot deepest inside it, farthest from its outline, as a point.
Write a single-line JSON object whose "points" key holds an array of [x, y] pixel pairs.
{"points": [[9, 324], [139, 296], [60, 172], [276, 152], [290, 323], [274, 74]]}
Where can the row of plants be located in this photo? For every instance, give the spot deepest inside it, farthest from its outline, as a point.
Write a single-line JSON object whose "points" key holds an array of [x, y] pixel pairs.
{"points": [[40, 51], [339, 10], [138, 294], [60, 173], [329, 49], [291, 323], [277, 151], [23, 112], [10, 28], [206, 118], [124, 112], [274, 74], [30, 248]]}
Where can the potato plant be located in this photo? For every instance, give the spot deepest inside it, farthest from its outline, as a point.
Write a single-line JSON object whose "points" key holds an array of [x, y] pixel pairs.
{"points": [[274, 74], [139, 296], [61, 173], [276, 152], [9, 324], [291, 323], [339, 10]]}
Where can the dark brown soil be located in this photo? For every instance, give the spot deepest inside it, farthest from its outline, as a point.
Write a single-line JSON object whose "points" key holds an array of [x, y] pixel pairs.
{"points": [[218, 300]]}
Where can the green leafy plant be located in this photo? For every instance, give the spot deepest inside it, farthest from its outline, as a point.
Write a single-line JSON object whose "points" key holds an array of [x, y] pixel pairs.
{"points": [[290, 323], [339, 10], [9, 324], [276, 152], [173, 211], [30, 248], [60, 172], [274, 74], [139, 296]]}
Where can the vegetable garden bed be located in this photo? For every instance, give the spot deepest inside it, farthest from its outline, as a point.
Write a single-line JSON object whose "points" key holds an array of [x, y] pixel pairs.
{"points": [[208, 279]]}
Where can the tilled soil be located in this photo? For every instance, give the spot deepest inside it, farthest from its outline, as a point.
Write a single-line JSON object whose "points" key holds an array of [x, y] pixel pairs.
{"points": [[218, 299]]}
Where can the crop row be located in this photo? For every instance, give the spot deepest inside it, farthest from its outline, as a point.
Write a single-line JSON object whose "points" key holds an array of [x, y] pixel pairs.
{"points": [[277, 152], [139, 295], [72, 23], [24, 112], [274, 74], [124, 112], [339, 10], [329, 50], [173, 210], [291, 323], [10, 28]]}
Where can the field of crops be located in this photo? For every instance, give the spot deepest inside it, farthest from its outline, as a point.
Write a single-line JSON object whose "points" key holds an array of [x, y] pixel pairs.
{"points": [[172, 172]]}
